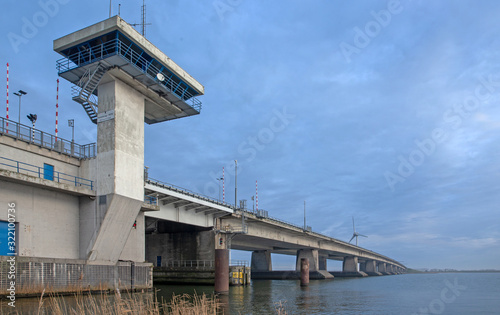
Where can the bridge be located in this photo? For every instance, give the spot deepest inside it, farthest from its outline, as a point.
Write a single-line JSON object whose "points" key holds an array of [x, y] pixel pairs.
{"points": [[193, 216]]}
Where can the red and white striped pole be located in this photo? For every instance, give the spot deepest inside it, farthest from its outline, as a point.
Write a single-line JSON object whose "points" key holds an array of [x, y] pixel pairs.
{"points": [[57, 107], [223, 188], [7, 125], [256, 197]]}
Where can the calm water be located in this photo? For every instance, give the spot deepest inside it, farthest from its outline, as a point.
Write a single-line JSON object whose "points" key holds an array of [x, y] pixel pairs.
{"points": [[451, 293], [459, 293]]}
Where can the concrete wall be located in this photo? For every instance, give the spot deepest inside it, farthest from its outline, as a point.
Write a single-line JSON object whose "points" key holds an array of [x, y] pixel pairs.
{"points": [[48, 221], [34, 155], [180, 246]]}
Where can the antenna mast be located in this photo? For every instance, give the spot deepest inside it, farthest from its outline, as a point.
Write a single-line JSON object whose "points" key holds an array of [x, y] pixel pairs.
{"points": [[143, 19], [143, 13]]}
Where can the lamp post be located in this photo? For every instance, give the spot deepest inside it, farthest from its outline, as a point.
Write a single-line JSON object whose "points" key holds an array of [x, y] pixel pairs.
{"points": [[235, 184], [305, 227], [20, 93], [219, 180]]}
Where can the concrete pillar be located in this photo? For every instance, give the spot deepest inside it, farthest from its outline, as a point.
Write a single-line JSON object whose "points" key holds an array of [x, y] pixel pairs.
{"points": [[120, 172], [388, 269], [362, 266], [350, 264], [304, 271], [322, 263], [371, 266], [221, 271], [382, 268], [261, 261], [312, 255]]}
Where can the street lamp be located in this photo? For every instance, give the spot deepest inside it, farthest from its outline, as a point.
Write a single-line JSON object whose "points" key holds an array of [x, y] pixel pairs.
{"points": [[219, 180], [20, 94]]}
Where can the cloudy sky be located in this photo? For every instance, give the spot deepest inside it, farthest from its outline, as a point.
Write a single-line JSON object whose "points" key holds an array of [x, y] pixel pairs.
{"points": [[385, 111]]}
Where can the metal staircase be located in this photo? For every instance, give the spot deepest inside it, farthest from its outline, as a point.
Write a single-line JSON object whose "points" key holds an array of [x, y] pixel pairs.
{"points": [[85, 92]]}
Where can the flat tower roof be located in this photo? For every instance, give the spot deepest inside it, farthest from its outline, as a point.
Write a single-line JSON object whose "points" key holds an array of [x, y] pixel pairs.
{"points": [[115, 46]]}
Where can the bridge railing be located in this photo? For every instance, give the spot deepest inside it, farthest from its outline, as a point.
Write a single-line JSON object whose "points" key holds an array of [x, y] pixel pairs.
{"points": [[187, 192]]}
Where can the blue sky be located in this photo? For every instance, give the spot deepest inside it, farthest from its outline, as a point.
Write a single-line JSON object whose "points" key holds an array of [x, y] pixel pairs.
{"points": [[382, 110]]}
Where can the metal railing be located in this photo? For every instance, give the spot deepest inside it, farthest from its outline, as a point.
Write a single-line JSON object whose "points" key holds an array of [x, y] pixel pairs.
{"points": [[41, 172], [117, 47], [239, 263], [189, 264], [186, 192], [37, 137]]}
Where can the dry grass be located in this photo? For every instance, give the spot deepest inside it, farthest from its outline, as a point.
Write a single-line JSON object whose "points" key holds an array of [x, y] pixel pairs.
{"points": [[137, 304], [280, 308]]}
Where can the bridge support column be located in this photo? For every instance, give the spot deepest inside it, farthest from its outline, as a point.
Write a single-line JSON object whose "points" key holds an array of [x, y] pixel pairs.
{"points": [[317, 264], [350, 267], [312, 255], [261, 261], [322, 263], [388, 269], [350, 264], [221, 264], [362, 266], [371, 268], [382, 268]]}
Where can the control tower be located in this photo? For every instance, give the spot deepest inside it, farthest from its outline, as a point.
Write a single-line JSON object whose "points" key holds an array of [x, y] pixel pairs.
{"points": [[122, 81]]}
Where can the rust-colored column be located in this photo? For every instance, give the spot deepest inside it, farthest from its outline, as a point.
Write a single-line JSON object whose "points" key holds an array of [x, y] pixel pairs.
{"points": [[304, 272], [221, 270]]}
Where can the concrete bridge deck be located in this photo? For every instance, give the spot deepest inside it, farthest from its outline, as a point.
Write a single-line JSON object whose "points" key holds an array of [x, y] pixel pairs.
{"points": [[263, 235]]}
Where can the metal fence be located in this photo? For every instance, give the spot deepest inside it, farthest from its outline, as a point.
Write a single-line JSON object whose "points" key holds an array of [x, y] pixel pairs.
{"points": [[32, 275], [41, 172], [42, 139]]}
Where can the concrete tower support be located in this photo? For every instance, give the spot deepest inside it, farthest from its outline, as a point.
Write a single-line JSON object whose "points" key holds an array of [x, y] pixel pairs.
{"points": [[261, 260], [120, 162]]}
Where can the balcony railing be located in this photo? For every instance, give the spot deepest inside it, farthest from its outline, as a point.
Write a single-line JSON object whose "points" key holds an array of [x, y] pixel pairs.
{"points": [[42, 139], [41, 172]]}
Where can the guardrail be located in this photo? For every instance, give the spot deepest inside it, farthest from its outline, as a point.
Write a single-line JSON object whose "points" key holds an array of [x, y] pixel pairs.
{"points": [[42, 139], [40, 172]]}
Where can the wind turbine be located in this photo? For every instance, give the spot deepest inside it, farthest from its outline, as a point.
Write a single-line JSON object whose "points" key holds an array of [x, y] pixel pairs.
{"points": [[355, 234]]}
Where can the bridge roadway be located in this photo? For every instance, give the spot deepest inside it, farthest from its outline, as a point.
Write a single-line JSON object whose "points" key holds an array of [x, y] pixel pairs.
{"points": [[262, 234]]}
